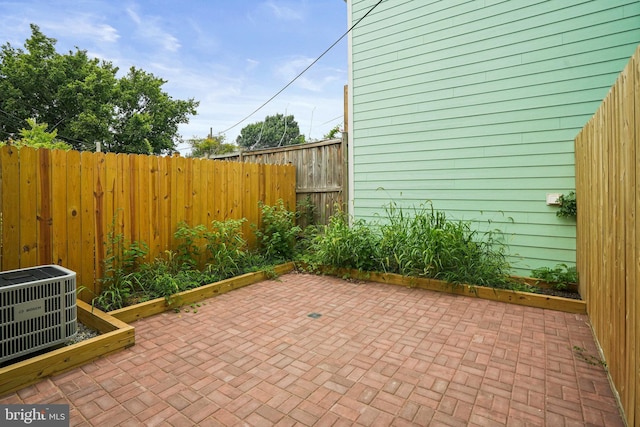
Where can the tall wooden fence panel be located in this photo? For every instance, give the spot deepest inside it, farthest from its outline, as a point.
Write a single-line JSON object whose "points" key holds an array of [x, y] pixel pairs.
{"points": [[608, 234], [58, 207], [321, 172]]}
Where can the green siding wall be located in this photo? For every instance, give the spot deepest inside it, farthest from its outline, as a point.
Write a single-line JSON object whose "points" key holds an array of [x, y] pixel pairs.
{"points": [[474, 105]]}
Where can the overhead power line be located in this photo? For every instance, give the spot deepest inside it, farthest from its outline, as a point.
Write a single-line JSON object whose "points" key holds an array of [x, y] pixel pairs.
{"points": [[305, 70]]}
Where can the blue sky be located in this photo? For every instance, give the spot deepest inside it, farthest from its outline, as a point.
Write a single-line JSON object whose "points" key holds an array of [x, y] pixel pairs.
{"points": [[231, 55]]}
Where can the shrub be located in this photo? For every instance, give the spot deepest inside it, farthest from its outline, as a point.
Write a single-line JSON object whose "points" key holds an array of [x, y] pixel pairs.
{"points": [[225, 247], [119, 280], [278, 233], [189, 250]]}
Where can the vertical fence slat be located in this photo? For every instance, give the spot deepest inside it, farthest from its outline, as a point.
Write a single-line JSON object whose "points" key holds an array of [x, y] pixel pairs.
{"points": [[178, 190], [212, 191], [123, 197], [234, 190], [85, 276], [203, 212], [220, 180], [164, 200], [102, 223], [155, 220], [28, 192], [43, 208], [74, 203], [634, 295], [250, 199], [195, 190], [143, 214], [110, 193], [59, 207], [629, 194]]}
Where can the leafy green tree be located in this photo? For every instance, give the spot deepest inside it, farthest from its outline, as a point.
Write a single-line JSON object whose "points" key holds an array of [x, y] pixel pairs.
{"points": [[84, 101], [274, 131], [38, 137], [209, 146]]}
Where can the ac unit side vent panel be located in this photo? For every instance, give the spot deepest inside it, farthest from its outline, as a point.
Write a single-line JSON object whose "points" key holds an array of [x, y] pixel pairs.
{"points": [[37, 309]]}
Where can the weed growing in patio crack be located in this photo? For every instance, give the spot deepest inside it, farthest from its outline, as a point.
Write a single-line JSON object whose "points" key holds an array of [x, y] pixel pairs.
{"points": [[590, 359]]}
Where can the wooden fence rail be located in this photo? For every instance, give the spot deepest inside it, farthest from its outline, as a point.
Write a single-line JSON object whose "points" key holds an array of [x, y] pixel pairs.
{"points": [[608, 233], [321, 172], [57, 207]]}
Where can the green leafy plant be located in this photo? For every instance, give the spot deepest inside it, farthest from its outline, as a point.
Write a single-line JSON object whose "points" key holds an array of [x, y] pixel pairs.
{"points": [[560, 277], [165, 276], [119, 280], [306, 212], [568, 206], [277, 234], [225, 247], [190, 242]]}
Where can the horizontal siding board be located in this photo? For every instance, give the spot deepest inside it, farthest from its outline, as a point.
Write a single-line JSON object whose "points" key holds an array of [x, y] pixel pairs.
{"points": [[541, 184], [508, 160], [448, 118], [412, 142], [424, 151], [386, 128]]}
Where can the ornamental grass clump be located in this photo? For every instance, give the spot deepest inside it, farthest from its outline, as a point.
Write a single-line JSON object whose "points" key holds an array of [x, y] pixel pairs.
{"points": [[341, 245], [423, 242], [418, 242]]}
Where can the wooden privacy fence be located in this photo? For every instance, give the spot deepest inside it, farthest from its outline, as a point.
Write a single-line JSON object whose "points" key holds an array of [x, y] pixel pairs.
{"points": [[58, 206], [321, 172], [608, 234]]}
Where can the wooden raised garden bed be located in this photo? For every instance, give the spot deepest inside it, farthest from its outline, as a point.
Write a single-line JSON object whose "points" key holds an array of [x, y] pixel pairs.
{"points": [[529, 299], [156, 306], [114, 335]]}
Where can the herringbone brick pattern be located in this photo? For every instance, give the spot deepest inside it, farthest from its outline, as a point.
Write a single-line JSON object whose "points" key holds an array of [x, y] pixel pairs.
{"points": [[378, 355]]}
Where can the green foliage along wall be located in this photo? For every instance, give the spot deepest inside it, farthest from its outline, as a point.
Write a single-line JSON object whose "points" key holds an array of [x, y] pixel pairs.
{"points": [[475, 105]]}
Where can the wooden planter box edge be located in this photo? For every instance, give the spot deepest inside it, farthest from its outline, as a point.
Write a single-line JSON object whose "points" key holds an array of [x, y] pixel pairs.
{"points": [[114, 336], [528, 299], [159, 305]]}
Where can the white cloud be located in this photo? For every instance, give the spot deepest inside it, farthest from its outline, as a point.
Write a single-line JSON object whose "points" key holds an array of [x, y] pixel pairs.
{"points": [[150, 29], [283, 12], [251, 64], [289, 69], [315, 79], [83, 27]]}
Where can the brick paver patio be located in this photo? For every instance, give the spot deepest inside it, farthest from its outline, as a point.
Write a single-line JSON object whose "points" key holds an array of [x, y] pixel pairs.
{"points": [[376, 355]]}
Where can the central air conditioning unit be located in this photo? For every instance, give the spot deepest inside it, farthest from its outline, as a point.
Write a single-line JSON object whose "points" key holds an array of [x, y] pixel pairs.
{"points": [[37, 309]]}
